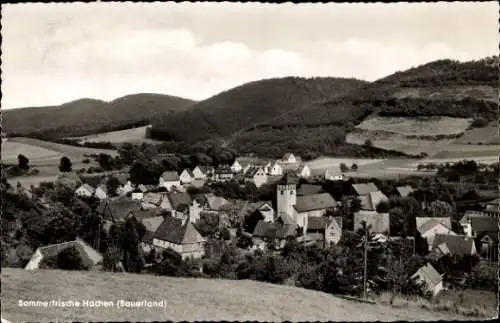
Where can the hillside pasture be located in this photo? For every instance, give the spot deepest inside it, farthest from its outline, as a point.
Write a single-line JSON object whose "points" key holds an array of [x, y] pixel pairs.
{"points": [[132, 135], [187, 299], [457, 92], [11, 149], [486, 136]]}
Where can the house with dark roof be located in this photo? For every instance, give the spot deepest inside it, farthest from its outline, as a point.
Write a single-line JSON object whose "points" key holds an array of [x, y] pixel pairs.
{"points": [[85, 190], [169, 179], [303, 171], [290, 158], [275, 169], [493, 205], [211, 202], [379, 222], [186, 177], [181, 236], [325, 230], [223, 174], [429, 279], [334, 174], [242, 164], [428, 227], [447, 244], [153, 200], [276, 234], [256, 175], [89, 256], [309, 189], [475, 224], [113, 211], [307, 206]]}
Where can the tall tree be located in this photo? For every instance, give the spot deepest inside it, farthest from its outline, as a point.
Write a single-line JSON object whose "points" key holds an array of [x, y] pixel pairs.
{"points": [[65, 165], [22, 162]]}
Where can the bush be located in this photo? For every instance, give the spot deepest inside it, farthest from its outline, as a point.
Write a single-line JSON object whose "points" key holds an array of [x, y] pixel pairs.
{"points": [[479, 123]]}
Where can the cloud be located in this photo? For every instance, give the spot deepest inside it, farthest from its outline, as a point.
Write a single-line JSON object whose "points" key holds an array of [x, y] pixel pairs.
{"points": [[57, 53]]}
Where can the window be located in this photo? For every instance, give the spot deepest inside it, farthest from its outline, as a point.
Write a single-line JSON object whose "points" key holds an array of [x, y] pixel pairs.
{"points": [[282, 192], [291, 192]]}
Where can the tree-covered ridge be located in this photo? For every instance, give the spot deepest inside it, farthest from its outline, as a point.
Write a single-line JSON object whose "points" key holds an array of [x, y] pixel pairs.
{"points": [[88, 116], [248, 105]]}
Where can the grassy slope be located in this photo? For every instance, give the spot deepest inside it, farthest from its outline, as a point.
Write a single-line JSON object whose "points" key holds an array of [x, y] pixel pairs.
{"points": [[133, 135], [188, 299], [87, 116], [250, 104]]}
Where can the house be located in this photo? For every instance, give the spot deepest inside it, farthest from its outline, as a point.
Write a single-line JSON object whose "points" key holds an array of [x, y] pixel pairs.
{"points": [[265, 164], [203, 172], [138, 194], [181, 236], [264, 207], [256, 175], [223, 174], [370, 201], [89, 256], [85, 190], [309, 189], [169, 179], [329, 229], [303, 171], [186, 176], [126, 185], [289, 158], [101, 192], [113, 211], [459, 245], [379, 222], [475, 224], [300, 208], [211, 202], [404, 191], [275, 169], [276, 234], [242, 164], [153, 200], [493, 205], [173, 201], [429, 278], [428, 227], [333, 174]]}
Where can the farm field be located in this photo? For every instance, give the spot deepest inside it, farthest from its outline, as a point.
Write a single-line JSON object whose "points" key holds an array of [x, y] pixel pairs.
{"points": [[187, 299], [429, 126], [486, 136], [132, 135], [487, 93]]}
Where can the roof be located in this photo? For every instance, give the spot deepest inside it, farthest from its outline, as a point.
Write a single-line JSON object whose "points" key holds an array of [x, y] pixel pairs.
{"points": [[264, 229], [314, 202], [223, 170], [88, 254], [302, 167], [146, 214], [153, 198], [457, 244], [252, 171], [286, 230], [87, 187], [316, 223], [309, 189], [170, 176], [484, 224], [420, 221], [206, 169], [178, 199], [289, 179], [404, 190], [429, 274], [288, 155], [371, 200], [189, 172], [142, 188], [92, 180], [379, 221], [488, 236], [172, 230], [364, 189], [215, 202], [152, 224], [117, 210], [286, 218], [122, 178], [430, 224]]}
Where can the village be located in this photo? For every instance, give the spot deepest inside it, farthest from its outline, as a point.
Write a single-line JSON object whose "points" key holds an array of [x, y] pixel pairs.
{"points": [[182, 216]]}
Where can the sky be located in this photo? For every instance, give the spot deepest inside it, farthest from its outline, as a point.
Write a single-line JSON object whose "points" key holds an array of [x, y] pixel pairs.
{"points": [[59, 52]]}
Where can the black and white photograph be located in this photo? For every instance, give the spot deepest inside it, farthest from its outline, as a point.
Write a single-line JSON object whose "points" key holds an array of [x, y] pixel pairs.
{"points": [[269, 162]]}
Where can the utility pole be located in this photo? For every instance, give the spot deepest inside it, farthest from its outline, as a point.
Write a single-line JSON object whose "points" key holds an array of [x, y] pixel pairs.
{"points": [[365, 261]]}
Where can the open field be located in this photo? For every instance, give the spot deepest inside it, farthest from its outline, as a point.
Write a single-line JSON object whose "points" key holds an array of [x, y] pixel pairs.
{"points": [[456, 92], [323, 163], [424, 126], [132, 135], [487, 135], [187, 299], [10, 151]]}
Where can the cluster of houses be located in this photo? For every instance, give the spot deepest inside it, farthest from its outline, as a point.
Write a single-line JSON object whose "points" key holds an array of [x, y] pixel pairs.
{"points": [[304, 213]]}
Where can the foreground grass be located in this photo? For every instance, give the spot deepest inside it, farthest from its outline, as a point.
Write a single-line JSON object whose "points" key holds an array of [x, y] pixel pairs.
{"points": [[187, 300]]}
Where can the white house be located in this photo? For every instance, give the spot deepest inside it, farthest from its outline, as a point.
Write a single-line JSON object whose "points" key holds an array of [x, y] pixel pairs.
{"points": [[256, 175], [429, 278], [126, 185], [334, 175], [85, 190], [275, 169], [289, 158], [203, 172], [429, 227], [223, 174], [303, 171], [242, 165], [169, 179], [180, 235], [101, 192], [186, 176]]}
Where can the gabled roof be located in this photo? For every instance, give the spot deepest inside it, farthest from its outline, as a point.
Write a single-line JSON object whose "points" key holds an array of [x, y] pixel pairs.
{"points": [[117, 210], [289, 179], [432, 223], [484, 224], [93, 180], [364, 189], [287, 156], [264, 229], [404, 190], [309, 189], [286, 218], [488, 236], [215, 202], [170, 176], [189, 172], [379, 221], [420, 221], [153, 198], [142, 188], [206, 169], [178, 199], [458, 245], [223, 170], [172, 230], [339, 221], [314, 202], [302, 167], [245, 161], [88, 254], [152, 224], [370, 201], [316, 223], [122, 178], [252, 171], [429, 274], [286, 230]]}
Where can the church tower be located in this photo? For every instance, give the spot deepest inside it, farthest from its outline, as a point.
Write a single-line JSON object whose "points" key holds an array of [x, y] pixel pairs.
{"points": [[286, 196]]}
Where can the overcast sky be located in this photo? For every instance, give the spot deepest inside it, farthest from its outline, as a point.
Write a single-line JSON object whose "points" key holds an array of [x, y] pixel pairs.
{"points": [[54, 53]]}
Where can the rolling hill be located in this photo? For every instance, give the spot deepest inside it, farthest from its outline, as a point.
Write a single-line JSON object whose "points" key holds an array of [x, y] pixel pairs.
{"points": [[249, 104], [89, 116], [187, 299]]}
